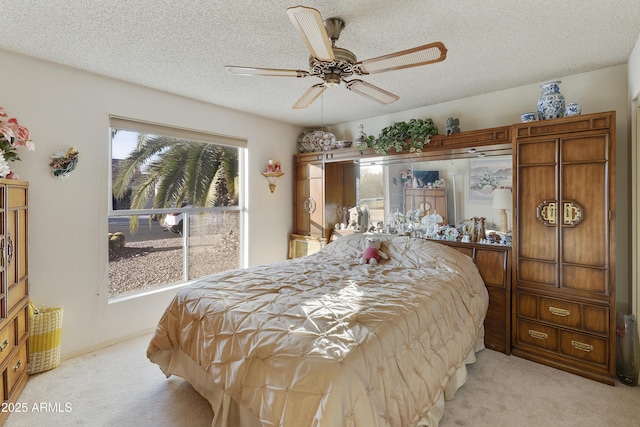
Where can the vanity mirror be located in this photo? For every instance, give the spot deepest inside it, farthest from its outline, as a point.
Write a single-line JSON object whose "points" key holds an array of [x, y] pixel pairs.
{"points": [[434, 183]]}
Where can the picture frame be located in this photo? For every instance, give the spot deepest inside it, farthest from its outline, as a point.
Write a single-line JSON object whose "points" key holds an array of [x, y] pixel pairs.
{"points": [[487, 174]]}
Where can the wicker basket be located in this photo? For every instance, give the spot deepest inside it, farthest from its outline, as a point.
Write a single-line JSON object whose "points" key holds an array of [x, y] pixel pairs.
{"points": [[45, 332]]}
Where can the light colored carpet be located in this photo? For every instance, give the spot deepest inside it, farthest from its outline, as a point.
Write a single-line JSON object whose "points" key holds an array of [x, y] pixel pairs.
{"points": [[118, 386]]}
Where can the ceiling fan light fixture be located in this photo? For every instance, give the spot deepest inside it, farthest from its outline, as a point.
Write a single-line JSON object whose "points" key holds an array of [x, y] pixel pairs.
{"points": [[332, 79], [309, 23], [372, 92]]}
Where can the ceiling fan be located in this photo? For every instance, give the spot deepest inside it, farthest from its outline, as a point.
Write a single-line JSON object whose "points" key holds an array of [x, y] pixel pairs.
{"points": [[334, 64]]}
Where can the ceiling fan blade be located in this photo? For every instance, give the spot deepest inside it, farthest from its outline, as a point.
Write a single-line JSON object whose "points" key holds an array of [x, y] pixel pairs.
{"points": [[372, 92], [421, 55], [309, 23], [252, 71], [309, 96]]}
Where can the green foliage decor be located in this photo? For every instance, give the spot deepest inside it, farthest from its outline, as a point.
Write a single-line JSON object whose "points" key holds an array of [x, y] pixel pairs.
{"points": [[401, 136]]}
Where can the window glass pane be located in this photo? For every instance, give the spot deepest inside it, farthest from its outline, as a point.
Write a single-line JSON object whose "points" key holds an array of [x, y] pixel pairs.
{"points": [[214, 242], [372, 191], [182, 203], [152, 171], [143, 260]]}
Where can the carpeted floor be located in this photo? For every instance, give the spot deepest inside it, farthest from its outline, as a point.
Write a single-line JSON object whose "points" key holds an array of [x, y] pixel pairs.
{"points": [[118, 386]]}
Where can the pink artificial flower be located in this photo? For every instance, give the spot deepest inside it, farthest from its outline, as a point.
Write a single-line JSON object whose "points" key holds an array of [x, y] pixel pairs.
{"points": [[3, 112], [6, 131]]}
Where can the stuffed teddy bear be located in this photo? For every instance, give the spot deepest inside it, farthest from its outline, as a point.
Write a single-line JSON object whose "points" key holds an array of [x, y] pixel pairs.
{"points": [[372, 253]]}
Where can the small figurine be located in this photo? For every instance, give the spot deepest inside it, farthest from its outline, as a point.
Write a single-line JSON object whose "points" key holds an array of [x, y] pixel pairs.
{"points": [[270, 166], [482, 231], [452, 126]]}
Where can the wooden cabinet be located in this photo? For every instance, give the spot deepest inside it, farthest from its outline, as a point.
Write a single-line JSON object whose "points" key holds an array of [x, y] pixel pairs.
{"points": [[320, 188], [14, 290], [309, 195], [494, 265], [430, 200], [300, 246], [564, 248]]}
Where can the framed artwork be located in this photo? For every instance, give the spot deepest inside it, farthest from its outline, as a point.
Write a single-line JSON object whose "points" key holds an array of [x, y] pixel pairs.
{"points": [[487, 174]]}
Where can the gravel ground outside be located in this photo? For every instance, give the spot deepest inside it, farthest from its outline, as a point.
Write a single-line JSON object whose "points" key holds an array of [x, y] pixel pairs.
{"points": [[148, 264]]}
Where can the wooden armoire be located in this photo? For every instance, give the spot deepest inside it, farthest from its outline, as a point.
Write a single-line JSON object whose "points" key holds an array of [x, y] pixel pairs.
{"points": [[563, 308], [14, 291]]}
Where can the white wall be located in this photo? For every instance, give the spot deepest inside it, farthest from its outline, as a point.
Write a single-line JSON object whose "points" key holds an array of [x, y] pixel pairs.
{"points": [[63, 107], [597, 91]]}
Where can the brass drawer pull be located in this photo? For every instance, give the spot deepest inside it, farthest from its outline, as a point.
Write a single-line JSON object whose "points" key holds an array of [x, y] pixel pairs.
{"points": [[538, 335], [559, 311], [4, 345], [17, 365], [581, 346]]}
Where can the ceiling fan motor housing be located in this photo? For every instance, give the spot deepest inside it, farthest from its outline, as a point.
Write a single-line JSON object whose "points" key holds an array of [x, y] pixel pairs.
{"points": [[333, 72]]}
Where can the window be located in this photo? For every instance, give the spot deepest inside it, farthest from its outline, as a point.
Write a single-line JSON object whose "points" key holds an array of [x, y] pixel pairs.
{"points": [[371, 191], [177, 207]]}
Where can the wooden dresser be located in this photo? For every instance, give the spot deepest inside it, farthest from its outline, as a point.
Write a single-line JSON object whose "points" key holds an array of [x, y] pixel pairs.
{"points": [[564, 244], [14, 290], [494, 265]]}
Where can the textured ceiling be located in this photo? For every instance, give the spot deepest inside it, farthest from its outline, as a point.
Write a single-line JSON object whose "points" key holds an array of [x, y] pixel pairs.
{"points": [[181, 46]]}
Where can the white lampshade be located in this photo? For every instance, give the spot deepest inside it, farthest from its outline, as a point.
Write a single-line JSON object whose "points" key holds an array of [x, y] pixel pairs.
{"points": [[501, 198], [502, 201]]}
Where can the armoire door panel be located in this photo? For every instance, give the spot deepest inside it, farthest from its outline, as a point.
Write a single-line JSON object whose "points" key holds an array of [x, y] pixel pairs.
{"points": [[316, 214], [538, 183], [541, 273], [585, 279], [584, 148], [583, 185], [537, 153]]}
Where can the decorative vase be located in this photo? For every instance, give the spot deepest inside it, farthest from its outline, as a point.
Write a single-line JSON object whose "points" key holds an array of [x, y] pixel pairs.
{"points": [[360, 136], [320, 140], [573, 109], [303, 141], [551, 103]]}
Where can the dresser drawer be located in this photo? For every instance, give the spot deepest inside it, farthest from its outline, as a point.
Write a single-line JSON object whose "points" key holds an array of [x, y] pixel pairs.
{"points": [[584, 347], [16, 367], [7, 340], [559, 312], [580, 316], [537, 335]]}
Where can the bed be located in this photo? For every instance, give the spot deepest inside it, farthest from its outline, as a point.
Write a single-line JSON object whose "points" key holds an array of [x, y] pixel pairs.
{"points": [[323, 341]]}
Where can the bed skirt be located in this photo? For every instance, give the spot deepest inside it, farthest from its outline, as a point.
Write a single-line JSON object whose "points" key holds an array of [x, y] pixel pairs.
{"points": [[227, 413]]}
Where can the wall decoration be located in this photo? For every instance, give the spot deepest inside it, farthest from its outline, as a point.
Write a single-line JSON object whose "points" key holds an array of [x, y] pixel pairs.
{"points": [[63, 162], [487, 174]]}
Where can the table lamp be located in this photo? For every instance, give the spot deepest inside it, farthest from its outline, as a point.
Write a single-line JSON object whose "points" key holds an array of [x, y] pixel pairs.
{"points": [[502, 202]]}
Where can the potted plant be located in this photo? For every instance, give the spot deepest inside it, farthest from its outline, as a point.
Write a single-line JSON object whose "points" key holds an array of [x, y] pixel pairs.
{"points": [[401, 136]]}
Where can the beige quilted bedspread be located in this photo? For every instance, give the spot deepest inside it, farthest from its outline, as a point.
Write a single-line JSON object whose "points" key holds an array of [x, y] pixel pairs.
{"points": [[323, 341]]}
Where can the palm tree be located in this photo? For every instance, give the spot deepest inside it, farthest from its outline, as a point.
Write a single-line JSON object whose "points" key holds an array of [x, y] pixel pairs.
{"points": [[170, 171]]}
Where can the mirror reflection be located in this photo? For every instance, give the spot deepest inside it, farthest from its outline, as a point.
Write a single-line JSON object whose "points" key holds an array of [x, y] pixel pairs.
{"points": [[423, 196]]}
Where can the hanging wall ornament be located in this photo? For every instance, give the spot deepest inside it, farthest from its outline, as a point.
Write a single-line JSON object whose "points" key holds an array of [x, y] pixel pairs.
{"points": [[63, 162]]}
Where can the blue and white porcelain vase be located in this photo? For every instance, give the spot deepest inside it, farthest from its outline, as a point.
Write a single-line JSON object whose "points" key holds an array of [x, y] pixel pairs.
{"points": [[573, 109], [551, 103]]}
